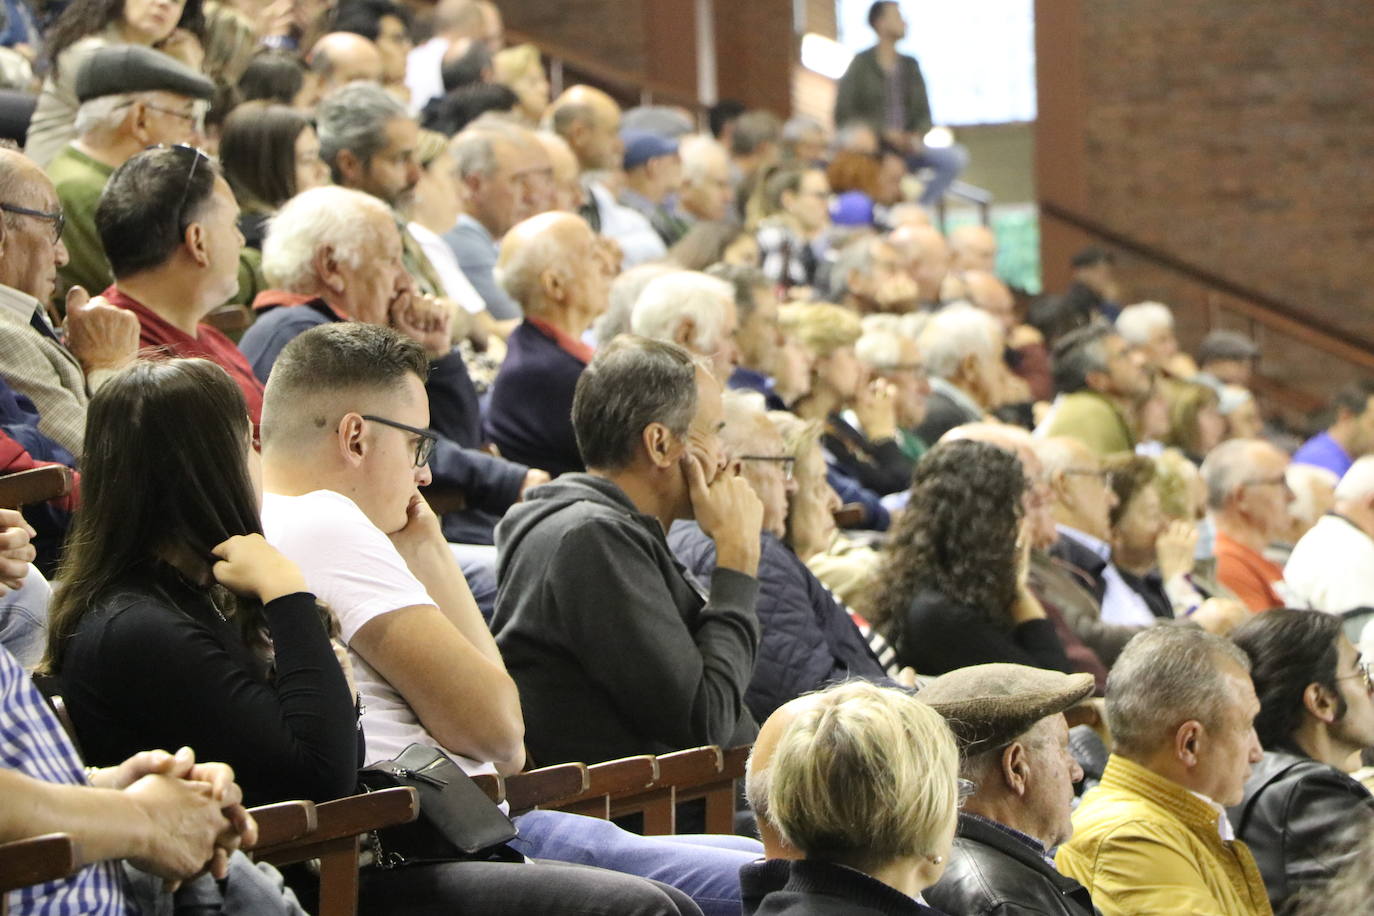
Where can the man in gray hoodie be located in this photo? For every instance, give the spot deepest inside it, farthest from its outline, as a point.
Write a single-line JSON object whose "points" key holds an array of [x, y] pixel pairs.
{"points": [[615, 649]]}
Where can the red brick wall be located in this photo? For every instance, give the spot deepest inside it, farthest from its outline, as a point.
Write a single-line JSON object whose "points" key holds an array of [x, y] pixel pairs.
{"points": [[1236, 134]]}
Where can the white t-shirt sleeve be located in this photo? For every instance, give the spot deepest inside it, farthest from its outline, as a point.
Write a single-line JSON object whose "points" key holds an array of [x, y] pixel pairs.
{"points": [[347, 561]]}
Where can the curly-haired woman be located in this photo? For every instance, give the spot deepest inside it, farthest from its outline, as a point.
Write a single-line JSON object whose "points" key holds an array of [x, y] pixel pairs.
{"points": [[954, 590]]}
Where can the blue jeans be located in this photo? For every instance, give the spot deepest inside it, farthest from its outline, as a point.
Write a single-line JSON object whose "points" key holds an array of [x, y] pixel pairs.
{"points": [[24, 619], [704, 867], [478, 562], [946, 163]]}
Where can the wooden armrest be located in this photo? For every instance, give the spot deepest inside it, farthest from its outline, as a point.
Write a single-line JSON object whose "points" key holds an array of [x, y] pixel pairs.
{"points": [[230, 319], [546, 785], [616, 777], [735, 761], [283, 822], [850, 515], [493, 785], [34, 486], [347, 818], [37, 859], [696, 766]]}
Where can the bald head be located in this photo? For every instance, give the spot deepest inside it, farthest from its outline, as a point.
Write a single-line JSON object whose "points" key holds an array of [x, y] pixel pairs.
{"points": [[755, 779], [549, 264], [973, 248], [458, 19], [589, 120], [343, 57], [926, 255], [990, 294]]}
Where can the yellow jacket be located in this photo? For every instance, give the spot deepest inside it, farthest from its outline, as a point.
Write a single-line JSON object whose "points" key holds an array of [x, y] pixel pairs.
{"points": [[1143, 844]]}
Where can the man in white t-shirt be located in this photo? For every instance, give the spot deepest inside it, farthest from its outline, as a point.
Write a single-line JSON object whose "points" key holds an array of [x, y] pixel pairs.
{"points": [[1332, 565], [344, 453]]}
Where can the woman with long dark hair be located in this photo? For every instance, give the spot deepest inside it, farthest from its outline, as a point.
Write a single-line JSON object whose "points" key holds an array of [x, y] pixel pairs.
{"points": [[269, 153], [953, 578], [176, 28], [176, 623]]}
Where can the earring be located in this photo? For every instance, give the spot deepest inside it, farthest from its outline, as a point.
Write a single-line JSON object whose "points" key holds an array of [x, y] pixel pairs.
{"points": [[936, 860]]}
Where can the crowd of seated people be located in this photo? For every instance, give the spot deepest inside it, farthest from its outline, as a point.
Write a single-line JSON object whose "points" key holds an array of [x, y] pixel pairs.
{"points": [[410, 405]]}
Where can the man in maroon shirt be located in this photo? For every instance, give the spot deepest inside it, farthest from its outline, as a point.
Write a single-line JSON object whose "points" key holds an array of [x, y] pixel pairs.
{"points": [[169, 225]]}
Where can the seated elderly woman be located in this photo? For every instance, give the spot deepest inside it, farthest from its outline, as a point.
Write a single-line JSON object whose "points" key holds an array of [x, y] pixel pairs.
{"points": [[860, 785], [1155, 555], [867, 452], [953, 583], [895, 358]]}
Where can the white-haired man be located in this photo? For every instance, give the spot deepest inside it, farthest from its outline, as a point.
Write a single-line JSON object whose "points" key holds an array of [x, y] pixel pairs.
{"points": [[896, 359], [694, 311], [1248, 497], [332, 254], [551, 265], [706, 189], [1149, 327], [867, 276], [962, 348], [1332, 566], [131, 98], [506, 177]]}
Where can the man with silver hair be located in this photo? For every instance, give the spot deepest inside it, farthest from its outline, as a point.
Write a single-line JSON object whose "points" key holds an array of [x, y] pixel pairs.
{"points": [[867, 276], [803, 140], [369, 140], [1247, 499], [333, 254], [896, 358], [1149, 327], [131, 98], [1332, 565], [707, 191], [1153, 836], [503, 172], [962, 349], [1099, 378], [694, 311]]}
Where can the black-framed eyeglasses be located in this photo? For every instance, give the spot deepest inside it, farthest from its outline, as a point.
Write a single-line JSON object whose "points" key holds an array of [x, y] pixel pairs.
{"points": [[788, 462], [57, 218], [967, 788], [424, 448], [1366, 672]]}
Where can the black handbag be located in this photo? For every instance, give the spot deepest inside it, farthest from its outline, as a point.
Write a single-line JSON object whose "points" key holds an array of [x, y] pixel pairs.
{"points": [[457, 820]]}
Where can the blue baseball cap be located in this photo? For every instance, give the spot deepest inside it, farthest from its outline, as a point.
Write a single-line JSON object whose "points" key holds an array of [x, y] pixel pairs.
{"points": [[641, 146]]}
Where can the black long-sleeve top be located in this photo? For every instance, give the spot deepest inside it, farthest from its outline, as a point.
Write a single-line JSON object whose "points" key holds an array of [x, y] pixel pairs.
{"points": [[154, 665], [939, 635], [880, 466]]}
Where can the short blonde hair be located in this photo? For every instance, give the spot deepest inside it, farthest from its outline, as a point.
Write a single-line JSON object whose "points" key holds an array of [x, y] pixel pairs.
{"points": [[864, 776], [509, 64], [820, 327]]}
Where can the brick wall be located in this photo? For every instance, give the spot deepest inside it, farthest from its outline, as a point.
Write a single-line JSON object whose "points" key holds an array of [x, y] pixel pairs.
{"points": [[1239, 135]]}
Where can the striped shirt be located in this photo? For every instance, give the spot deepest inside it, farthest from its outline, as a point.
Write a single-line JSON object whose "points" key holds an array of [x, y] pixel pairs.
{"points": [[32, 742]]}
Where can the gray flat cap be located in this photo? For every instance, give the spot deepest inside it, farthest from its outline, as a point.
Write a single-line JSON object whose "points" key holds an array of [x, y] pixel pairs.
{"points": [[1226, 345], [134, 68], [988, 706]]}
